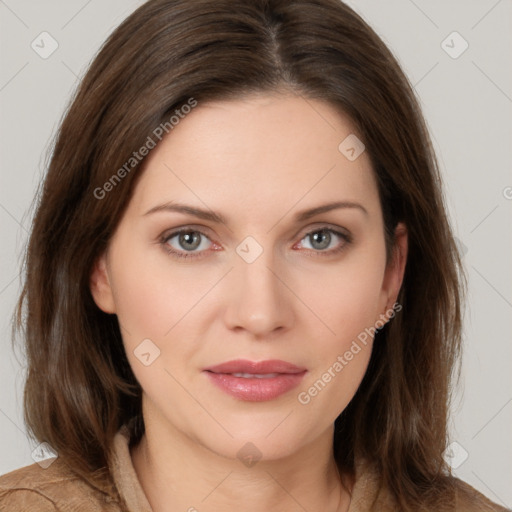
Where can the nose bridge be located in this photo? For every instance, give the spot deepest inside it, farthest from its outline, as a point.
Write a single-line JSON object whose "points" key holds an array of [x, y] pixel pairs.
{"points": [[258, 301]]}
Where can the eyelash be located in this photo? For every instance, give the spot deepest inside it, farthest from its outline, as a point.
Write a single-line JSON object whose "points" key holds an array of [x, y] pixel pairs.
{"points": [[187, 255]]}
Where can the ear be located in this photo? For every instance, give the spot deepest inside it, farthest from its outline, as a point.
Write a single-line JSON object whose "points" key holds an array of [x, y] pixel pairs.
{"points": [[100, 286], [394, 273]]}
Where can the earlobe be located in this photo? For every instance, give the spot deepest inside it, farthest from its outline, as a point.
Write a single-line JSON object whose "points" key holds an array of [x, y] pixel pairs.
{"points": [[100, 286]]}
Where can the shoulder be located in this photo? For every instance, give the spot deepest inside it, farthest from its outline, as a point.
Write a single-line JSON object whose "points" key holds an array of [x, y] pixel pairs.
{"points": [[369, 493], [54, 489], [468, 499]]}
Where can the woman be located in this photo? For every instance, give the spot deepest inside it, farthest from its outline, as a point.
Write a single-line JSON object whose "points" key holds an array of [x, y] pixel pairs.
{"points": [[242, 290]]}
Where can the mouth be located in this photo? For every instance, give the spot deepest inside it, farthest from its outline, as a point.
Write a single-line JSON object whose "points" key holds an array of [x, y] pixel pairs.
{"points": [[255, 375], [255, 381]]}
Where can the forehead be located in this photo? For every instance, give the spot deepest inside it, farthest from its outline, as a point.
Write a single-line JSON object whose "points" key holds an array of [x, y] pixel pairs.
{"points": [[259, 150]]}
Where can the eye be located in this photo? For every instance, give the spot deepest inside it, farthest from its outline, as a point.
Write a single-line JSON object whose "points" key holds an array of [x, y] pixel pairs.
{"points": [[191, 243], [325, 240], [186, 241]]}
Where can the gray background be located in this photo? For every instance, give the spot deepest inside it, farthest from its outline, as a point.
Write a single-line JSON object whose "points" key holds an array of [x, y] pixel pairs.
{"points": [[467, 102]]}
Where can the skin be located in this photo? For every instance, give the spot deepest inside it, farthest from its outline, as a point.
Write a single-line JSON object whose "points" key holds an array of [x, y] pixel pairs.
{"points": [[258, 161]]}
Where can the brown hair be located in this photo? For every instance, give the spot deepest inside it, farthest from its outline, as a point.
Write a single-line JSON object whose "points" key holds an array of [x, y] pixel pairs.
{"points": [[80, 388]]}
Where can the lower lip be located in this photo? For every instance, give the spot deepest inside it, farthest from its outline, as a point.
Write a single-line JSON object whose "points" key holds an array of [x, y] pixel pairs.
{"points": [[256, 390]]}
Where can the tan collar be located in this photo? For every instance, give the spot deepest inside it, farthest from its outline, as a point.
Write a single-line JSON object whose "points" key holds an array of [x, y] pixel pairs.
{"points": [[124, 474]]}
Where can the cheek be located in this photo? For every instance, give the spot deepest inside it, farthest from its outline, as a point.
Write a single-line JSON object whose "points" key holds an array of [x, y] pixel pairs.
{"points": [[155, 300], [346, 299], [350, 307], [348, 302], [151, 296], [332, 386]]}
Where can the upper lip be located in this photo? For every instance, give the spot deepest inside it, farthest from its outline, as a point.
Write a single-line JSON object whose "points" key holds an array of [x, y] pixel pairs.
{"points": [[255, 367]]}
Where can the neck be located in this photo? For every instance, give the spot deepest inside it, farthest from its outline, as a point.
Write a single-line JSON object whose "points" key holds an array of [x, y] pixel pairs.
{"points": [[178, 473]]}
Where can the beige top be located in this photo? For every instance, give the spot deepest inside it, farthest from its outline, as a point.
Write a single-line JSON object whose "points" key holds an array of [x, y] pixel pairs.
{"points": [[57, 489]]}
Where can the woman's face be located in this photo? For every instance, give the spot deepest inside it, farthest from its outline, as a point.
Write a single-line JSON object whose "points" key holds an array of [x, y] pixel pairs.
{"points": [[263, 271]]}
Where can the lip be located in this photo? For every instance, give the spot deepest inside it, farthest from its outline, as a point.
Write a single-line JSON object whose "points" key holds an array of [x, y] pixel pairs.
{"points": [[256, 389], [256, 367]]}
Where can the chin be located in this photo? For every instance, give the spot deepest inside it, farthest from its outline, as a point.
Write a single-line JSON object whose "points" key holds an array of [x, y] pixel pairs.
{"points": [[254, 437], [251, 449]]}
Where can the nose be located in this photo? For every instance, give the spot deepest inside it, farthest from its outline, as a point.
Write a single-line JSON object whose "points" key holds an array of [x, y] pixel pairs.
{"points": [[258, 301]]}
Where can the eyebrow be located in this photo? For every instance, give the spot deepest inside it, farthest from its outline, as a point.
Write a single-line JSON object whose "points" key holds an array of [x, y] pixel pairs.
{"points": [[221, 219]]}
